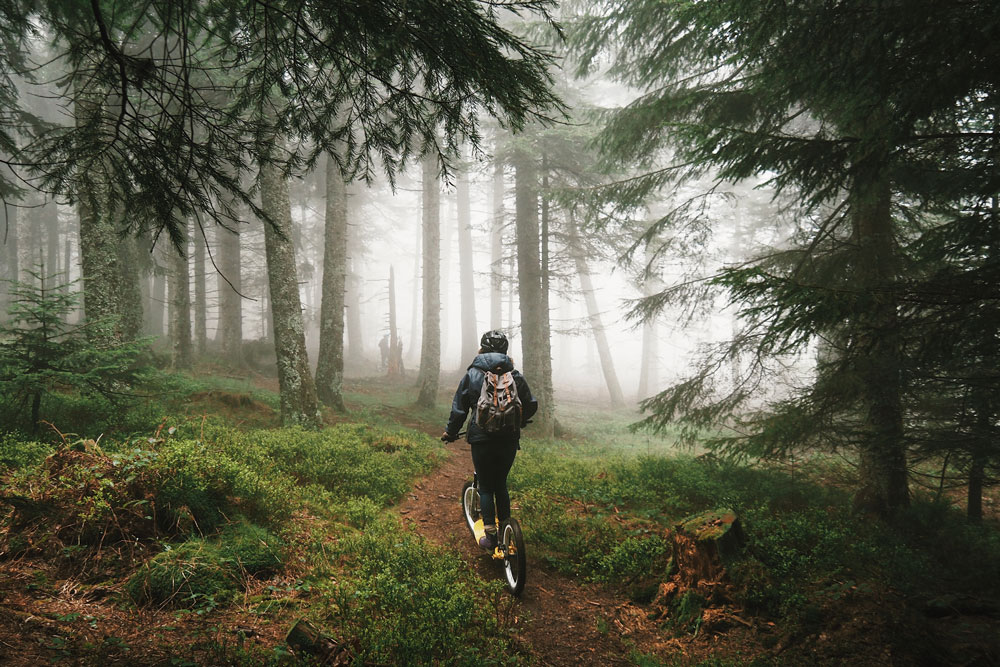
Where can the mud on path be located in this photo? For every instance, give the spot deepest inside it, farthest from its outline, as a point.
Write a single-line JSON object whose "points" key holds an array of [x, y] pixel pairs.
{"points": [[558, 620]]}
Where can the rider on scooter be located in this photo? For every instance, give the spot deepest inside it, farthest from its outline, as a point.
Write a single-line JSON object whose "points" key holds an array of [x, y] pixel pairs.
{"points": [[492, 453]]}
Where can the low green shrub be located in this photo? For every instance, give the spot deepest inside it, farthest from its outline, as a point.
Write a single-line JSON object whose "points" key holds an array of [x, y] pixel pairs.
{"points": [[194, 574], [207, 483], [253, 550], [409, 602], [17, 452]]}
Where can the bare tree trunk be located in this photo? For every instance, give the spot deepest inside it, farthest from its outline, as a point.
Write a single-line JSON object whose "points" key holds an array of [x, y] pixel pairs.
{"points": [[548, 404], [230, 286], [529, 280], [299, 404], [394, 367], [977, 465], [430, 341], [496, 248], [158, 292], [180, 305], [51, 211], [12, 268], [352, 314], [330, 369], [130, 290], [98, 233], [594, 317], [415, 337], [883, 471], [200, 293], [649, 366], [470, 336]]}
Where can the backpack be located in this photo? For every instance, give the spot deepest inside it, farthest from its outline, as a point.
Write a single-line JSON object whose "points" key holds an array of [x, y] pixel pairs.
{"points": [[499, 407]]}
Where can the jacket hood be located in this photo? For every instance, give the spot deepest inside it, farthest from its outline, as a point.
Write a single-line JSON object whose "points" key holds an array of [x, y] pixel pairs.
{"points": [[489, 361]]}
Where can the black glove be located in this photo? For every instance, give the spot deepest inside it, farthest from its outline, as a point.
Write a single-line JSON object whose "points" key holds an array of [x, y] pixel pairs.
{"points": [[447, 437]]}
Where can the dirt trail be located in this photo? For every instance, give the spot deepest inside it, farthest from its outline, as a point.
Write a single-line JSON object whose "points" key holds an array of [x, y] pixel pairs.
{"points": [[559, 621]]}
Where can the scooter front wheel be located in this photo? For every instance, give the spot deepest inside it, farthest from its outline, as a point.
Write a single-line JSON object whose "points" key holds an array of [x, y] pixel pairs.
{"points": [[470, 506]]}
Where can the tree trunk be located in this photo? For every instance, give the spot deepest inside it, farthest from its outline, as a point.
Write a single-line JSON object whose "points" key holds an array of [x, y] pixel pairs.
{"points": [[180, 305], [470, 335], [977, 478], [158, 292], [649, 366], [330, 369], [415, 338], [130, 290], [12, 269], [51, 212], [299, 404], [496, 248], [882, 472], [98, 233], [200, 295], [529, 281], [594, 317], [394, 368], [547, 403], [352, 306], [430, 339], [230, 285]]}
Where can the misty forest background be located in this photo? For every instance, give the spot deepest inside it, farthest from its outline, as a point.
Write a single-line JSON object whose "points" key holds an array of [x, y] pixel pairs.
{"points": [[747, 254]]}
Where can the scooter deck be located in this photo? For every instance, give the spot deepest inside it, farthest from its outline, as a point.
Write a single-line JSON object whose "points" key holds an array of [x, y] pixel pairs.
{"points": [[480, 530]]}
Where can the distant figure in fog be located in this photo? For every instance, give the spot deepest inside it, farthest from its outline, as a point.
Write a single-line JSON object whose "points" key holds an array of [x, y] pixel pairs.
{"points": [[501, 404], [383, 348]]}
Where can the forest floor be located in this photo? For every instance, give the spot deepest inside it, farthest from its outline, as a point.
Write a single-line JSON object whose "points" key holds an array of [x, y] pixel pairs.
{"points": [[561, 620], [48, 615], [558, 619]]}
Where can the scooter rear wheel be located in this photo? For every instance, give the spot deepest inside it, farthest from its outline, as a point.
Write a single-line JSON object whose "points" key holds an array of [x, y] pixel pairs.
{"points": [[514, 563]]}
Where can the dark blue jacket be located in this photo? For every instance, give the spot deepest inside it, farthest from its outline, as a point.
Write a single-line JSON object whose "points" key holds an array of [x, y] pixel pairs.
{"points": [[470, 387]]}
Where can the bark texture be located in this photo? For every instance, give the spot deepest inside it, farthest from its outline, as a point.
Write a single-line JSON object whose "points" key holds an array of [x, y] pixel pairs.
{"points": [[330, 369], [98, 233], [496, 248], [229, 286], [470, 335], [131, 291], [12, 266], [299, 404], [200, 295], [352, 307], [430, 340], [529, 282], [180, 306], [883, 471]]}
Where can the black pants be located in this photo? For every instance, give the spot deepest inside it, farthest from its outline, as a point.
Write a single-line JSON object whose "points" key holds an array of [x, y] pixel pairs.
{"points": [[493, 461]]}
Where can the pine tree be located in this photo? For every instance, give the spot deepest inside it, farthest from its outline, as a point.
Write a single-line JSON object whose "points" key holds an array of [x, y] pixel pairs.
{"points": [[834, 101], [394, 68], [40, 352]]}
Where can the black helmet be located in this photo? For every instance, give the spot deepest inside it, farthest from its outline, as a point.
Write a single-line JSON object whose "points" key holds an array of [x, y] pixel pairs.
{"points": [[493, 341]]}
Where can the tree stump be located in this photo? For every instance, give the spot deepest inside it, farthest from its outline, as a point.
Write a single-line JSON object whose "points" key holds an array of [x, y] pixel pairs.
{"points": [[704, 544], [304, 638]]}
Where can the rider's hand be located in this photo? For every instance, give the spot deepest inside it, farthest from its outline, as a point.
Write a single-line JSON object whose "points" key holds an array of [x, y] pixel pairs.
{"points": [[445, 437]]}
